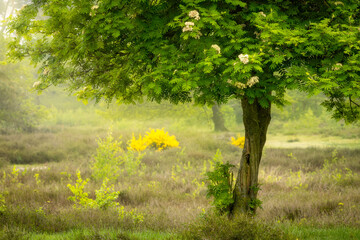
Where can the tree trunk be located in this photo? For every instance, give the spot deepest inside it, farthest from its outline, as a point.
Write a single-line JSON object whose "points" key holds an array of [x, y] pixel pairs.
{"points": [[256, 122], [218, 119]]}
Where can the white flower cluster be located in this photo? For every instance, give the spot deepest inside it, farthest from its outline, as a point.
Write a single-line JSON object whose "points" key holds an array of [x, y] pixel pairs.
{"points": [[216, 47], [32, 169], [194, 14], [36, 84], [244, 58], [240, 85], [93, 8], [262, 14], [188, 27], [253, 80], [337, 66]]}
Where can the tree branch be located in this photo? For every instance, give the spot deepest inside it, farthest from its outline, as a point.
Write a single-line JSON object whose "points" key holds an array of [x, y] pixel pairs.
{"points": [[351, 101], [351, 109], [327, 4]]}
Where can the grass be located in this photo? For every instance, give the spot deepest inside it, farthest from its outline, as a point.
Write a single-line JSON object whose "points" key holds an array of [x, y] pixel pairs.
{"points": [[104, 234], [313, 233], [87, 234], [317, 141], [309, 191]]}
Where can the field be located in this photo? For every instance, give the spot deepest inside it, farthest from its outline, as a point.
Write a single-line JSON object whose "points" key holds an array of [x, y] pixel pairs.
{"points": [[310, 184], [125, 120]]}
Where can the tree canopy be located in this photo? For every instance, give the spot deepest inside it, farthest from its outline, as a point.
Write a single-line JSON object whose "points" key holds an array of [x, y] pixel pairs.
{"points": [[207, 51]]}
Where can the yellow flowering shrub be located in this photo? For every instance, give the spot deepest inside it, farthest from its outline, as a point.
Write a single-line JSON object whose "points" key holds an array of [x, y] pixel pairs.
{"points": [[138, 145], [238, 142], [160, 140]]}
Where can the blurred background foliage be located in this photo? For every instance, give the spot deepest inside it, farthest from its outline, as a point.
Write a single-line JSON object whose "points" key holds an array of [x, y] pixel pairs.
{"points": [[303, 115], [18, 111]]}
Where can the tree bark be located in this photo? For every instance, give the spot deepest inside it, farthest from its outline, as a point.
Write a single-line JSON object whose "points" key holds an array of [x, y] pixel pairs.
{"points": [[256, 122], [219, 123]]}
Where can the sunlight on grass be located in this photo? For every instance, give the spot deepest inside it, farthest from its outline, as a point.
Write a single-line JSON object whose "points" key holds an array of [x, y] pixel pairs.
{"points": [[305, 141]]}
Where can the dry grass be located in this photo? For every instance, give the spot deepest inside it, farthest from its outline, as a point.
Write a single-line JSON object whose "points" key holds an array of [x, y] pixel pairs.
{"points": [[169, 200]]}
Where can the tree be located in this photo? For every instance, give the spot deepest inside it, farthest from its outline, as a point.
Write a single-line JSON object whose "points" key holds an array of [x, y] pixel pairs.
{"points": [[218, 119], [17, 110], [145, 111], [205, 51]]}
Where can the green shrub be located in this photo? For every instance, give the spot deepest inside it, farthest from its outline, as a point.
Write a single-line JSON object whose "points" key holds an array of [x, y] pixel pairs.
{"points": [[80, 197], [111, 160], [131, 162], [106, 196], [107, 159], [2, 204], [219, 184], [334, 171], [214, 227]]}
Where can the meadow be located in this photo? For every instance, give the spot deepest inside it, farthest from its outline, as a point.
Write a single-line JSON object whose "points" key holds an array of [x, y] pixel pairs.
{"points": [[310, 182]]}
